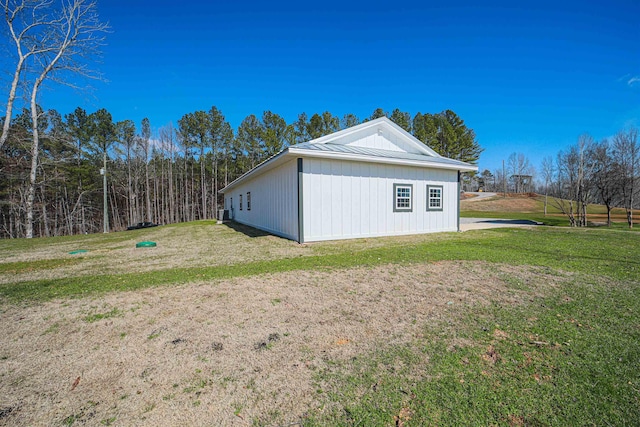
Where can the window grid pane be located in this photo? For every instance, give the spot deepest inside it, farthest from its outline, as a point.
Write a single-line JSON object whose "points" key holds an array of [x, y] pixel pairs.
{"points": [[403, 198], [434, 198]]}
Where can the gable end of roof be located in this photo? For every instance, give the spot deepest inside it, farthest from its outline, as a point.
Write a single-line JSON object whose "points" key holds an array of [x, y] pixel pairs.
{"points": [[382, 123]]}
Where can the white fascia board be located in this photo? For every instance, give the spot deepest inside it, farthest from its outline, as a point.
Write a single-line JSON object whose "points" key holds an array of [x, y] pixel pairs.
{"points": [[389, 161]]}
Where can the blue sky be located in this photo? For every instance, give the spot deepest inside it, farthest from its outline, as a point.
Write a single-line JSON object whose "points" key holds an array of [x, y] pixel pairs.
{"points": [[528, 77]]}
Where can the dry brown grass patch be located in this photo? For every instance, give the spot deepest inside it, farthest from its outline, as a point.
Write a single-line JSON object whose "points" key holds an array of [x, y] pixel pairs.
{"points": [[225, 353], [193, 245], [502, 204]]}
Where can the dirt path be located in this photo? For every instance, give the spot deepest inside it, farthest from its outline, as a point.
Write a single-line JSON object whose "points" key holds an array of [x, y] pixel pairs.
{"points": [[229, 353], [478, 196]]}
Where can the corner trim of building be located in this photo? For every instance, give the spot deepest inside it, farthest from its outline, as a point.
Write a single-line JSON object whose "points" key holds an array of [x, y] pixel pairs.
{"points": [[458, 191], [300, 203]]}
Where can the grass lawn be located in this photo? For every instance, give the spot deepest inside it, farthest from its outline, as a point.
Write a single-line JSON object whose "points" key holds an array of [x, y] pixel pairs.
{"points": [[228, 326], [568, 358]]}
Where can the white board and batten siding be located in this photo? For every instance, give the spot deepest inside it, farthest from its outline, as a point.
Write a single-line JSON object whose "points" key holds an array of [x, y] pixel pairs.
{"points": [[274, 201], [342, 186], [344, 200]]}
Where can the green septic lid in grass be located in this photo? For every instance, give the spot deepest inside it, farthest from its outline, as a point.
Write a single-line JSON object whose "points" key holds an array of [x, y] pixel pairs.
{"points": [[146, 245], [79, 251]]}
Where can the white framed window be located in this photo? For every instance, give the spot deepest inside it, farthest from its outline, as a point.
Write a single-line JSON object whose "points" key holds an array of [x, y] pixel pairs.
{"points": [[248, 200], [240, 202], [402, 197], [434, 197]]}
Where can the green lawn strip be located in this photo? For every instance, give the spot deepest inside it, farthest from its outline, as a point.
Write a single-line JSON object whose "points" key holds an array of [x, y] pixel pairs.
{"points": [[570, 358], [42, 264], [623, 226], [600, 252]]}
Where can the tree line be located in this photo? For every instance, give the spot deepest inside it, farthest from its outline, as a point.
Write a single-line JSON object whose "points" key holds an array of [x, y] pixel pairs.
{"points": [[168, 175], [49, 163], [52, 41], [604, 172]]}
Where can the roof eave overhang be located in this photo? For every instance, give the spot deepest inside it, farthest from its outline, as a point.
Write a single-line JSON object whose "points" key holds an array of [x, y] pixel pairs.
{"points": [[462, 167], [289, 152]]}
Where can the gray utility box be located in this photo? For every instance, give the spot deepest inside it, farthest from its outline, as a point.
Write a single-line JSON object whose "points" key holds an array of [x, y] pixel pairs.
{"points": [[223, 214]]}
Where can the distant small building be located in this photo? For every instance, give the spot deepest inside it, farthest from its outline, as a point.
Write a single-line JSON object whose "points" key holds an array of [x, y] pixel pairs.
{"points": [[370, 180]]}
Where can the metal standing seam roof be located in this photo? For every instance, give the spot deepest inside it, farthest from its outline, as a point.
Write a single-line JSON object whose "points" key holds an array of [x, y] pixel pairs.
{"points": [[349, 149], [375, 152]]}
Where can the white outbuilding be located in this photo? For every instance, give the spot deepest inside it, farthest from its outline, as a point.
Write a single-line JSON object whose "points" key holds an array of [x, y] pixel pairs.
{"points": [[373, 179]]}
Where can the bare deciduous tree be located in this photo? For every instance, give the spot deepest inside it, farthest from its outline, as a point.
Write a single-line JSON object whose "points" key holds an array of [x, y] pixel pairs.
{"points": [[604, 176], [547, 169], [626, 154], [23, 23], [520, 172], [144, 139], [574, 169], [125, 131], [53, 40]]}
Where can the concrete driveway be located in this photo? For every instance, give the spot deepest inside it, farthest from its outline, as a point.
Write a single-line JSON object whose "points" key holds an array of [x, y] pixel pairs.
{"points": [[467, 224]]}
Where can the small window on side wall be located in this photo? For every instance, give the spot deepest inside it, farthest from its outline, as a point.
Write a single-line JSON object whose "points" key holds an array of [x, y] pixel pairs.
{"points": [[434, 197], [248, 200], [402, 197], [240, 202]]}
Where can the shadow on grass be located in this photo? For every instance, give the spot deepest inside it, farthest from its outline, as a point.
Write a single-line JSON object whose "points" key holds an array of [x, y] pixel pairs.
{"points": [[246, 230]]}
